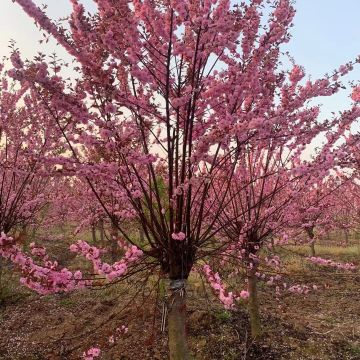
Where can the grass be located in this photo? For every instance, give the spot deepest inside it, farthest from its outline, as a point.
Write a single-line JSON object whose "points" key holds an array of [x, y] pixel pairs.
{"points": [[66, 301], [354, 349], [11, 291], [329, 250], [223, 315], [294, 257]]}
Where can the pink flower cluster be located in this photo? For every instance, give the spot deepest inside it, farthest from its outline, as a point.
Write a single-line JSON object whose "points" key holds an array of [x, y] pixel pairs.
{"points": [[300, 289], [296, 74], [273, 261], [48, 278], [227, 298], [180, 236], [272, 279], [355, 95], [92, 353], [327, 262], [113, 271], [44, 279], [119, 331]]}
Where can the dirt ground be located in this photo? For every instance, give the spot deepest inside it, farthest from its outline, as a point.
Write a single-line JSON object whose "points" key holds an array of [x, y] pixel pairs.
{"points": [[324, 324]]}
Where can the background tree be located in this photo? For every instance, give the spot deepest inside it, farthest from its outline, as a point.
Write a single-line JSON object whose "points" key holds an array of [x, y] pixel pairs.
{"points": [[175, 91]]}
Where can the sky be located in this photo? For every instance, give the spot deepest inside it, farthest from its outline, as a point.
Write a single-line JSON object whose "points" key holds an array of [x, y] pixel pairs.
{"points": [[326, 34]]}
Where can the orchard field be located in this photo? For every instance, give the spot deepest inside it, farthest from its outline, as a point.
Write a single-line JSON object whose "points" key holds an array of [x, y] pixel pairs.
{"points": [[175, 185], [323, 324]]}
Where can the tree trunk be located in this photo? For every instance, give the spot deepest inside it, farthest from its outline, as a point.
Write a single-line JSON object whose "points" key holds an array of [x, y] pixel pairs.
{"points": [[142, 236], [33, 232], [272, 240], [253, 306], [177, 320], [312, 248], [93, 233], [102, 235], [113, 242], [311, 234]]}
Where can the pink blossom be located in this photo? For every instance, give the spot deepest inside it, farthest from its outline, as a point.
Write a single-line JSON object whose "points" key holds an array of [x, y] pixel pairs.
{"points": [[355, 95], [91, 353], [327, 262], [296, 74], [110, 108], [180, 236], [244, 294]]}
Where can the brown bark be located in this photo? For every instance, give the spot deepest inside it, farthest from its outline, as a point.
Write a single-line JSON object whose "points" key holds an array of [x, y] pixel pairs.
{"points": [[142, 236], [114, 248], [102, 232], [93, 233], [178, 347], [312, 249], [311, 234], [272, 243]]}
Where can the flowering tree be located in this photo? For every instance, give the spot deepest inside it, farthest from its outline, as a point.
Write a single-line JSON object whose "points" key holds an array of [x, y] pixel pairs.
{"points": [[24, 141], [346, 211], [275, 191], [271, 193], [74, 204], [173, 91], [316, 210], [23, 177]]}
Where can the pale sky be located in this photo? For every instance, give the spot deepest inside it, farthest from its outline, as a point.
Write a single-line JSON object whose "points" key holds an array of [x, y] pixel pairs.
{"points": [[326, 34]]}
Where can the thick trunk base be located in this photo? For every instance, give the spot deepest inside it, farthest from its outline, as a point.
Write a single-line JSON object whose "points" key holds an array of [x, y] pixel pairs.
{"points": [[312, 249], [177, 321], [311, 234]]}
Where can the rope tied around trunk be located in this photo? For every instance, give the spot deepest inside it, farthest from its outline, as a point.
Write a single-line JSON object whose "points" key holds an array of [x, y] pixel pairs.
{"points": [[177, 287], [178, 284]]}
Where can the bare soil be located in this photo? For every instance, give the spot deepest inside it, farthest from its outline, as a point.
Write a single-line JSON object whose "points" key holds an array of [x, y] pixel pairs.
{"points": [[324, 324]]}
